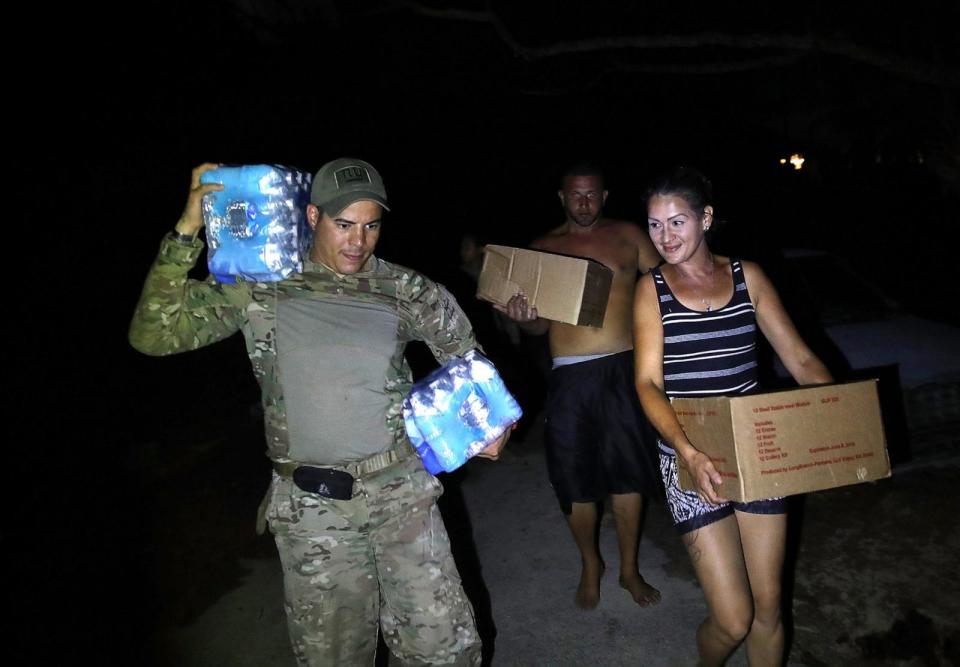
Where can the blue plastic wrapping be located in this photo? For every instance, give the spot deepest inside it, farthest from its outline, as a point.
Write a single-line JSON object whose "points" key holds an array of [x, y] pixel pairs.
{"points": [[457, 410], [257, 225]]}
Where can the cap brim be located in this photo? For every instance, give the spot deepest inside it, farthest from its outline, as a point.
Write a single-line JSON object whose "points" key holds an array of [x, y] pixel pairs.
{"points": [[337, 204]]}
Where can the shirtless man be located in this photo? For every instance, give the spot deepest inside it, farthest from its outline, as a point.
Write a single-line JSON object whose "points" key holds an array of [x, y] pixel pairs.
{"points": [[595, 426]]}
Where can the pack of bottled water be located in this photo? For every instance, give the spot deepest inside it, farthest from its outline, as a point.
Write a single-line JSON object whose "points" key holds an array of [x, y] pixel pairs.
{"points": [[457, 411], [257, 225]]}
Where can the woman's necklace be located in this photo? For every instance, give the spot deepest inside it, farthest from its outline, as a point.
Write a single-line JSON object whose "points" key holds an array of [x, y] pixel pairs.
{"points": [[713, 269], [708, 302]]}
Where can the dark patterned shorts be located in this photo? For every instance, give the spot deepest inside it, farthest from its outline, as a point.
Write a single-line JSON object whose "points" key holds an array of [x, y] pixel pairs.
{"points": [[690, 512]]}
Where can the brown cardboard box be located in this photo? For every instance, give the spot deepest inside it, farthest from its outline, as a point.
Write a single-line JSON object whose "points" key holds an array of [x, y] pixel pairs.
{"points": [[562, 288], [787, 442]]}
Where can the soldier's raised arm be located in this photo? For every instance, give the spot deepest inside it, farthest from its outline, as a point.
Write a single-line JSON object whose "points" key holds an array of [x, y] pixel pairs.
{"points": [[177, 314]]}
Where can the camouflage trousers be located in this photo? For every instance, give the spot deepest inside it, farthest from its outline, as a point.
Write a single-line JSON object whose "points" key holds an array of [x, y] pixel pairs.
{"points": [[381, 559]]}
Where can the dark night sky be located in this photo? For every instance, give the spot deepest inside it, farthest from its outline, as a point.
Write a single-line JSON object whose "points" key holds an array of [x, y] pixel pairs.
{"points": [[470, 130], [470, 122]]}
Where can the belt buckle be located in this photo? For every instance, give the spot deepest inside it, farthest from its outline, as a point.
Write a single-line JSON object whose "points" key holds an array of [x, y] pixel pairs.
{"points": [[383, 461]]}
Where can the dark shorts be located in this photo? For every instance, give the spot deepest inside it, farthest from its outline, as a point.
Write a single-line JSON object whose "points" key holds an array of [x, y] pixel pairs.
{"points": [[690, 513], [598, 440]]}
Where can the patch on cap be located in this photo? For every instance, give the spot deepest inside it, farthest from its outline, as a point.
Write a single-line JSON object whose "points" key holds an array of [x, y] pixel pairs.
{"points": [[341, 182], [351, 175]]}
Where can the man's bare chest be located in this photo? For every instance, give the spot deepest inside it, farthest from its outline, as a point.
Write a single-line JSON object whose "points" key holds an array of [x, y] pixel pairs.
{"points": [[617, 254]]}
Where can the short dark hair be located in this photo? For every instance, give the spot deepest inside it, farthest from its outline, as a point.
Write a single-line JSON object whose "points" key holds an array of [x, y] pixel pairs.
{"points": [[684, 182], [583, 169]]}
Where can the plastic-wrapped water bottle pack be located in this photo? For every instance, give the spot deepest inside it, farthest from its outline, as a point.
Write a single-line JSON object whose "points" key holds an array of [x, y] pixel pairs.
{"points": [[256, 226], [457, 410]]}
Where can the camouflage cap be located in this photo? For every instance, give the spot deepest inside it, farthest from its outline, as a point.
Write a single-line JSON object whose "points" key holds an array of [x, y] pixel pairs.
{"points": [[345, 181]]}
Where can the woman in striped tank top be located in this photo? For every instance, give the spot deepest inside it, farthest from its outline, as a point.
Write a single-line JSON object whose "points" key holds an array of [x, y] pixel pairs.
{"points": [[695, 322]]}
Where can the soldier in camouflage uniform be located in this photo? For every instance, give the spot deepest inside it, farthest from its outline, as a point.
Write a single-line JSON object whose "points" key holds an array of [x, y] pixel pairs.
{"points": [[327, 347]]}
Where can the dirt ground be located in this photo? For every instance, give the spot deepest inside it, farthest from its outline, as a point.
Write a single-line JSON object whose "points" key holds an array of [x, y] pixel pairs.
{"points": [[870, 577], [165, 568]]}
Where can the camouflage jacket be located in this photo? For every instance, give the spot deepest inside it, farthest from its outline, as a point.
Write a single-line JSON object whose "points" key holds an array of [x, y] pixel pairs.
{"points": [[176, 314]]}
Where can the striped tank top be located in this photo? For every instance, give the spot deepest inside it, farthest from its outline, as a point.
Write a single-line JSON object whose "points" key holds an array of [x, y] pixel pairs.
{"points": [[709, 353]]}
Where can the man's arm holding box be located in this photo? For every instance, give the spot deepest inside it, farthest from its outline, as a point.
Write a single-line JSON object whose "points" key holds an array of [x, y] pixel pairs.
{"points": [[520, 311]]}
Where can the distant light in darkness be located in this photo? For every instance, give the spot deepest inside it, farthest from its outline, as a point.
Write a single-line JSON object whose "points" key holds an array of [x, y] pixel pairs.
{"points": [[796, 160]]}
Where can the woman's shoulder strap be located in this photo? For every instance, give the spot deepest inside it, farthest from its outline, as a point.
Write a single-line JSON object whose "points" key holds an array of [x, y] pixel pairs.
{"points": [[664, 295]]}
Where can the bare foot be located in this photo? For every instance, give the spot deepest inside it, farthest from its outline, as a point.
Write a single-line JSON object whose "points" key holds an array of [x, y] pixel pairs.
{"points": [[588, 591], [643, 593]]}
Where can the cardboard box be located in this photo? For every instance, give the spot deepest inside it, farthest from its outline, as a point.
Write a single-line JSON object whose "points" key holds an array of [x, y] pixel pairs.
{"points": [[562, 288], [787, 442]]}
